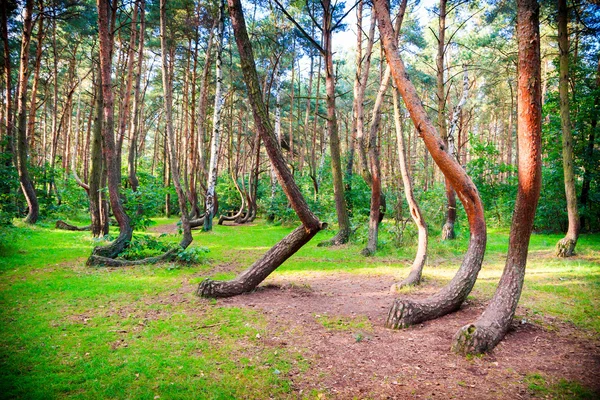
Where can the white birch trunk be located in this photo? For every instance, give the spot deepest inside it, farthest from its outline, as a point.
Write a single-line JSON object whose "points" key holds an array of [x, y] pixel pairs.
{"points": [[456, 113], [216, 134]]}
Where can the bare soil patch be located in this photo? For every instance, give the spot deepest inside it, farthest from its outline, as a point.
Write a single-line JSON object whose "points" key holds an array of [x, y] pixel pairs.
{"points": [[375, 362]]}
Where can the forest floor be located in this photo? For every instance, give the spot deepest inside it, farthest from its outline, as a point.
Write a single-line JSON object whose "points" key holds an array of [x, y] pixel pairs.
{"points": [[314, 329]]}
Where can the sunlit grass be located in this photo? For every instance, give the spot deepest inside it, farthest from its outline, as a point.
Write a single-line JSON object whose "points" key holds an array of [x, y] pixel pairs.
{"points": [[70, 330]]}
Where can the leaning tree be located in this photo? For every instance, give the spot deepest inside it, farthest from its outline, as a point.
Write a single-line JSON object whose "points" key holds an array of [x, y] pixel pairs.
{"points": [[311, 225]]}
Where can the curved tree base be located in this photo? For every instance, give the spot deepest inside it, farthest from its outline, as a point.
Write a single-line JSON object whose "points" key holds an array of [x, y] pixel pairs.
{"points": [[406, 312], [257, 272], [413, 279], [476, 338], [98, 261], [197, 223], [342, 237], [565, 247], [115, 248], [367, 252], [60, 224], [448, 231]]}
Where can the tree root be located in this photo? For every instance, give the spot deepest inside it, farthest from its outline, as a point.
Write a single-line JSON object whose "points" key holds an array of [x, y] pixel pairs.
{"points": [[99, 261], [475, 339], [448, 232], [565, 247], [196, 223], [257, 272], [60, 224], [339, 239], [367, 252], [413, 279]]}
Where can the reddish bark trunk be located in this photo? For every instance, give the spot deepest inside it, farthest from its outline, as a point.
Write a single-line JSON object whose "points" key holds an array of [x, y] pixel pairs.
{"points": [[490, 328], [109, 147]]}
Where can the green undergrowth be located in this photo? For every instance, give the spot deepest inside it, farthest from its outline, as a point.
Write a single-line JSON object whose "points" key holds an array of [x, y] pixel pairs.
{"points": [[139, 332]]}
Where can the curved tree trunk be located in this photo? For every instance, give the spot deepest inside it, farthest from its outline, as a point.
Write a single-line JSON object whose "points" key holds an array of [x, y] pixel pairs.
{"points": [[24, 178], [414, 276], [490, 328], [109, 148], [406, 312], [216, 134], [258, 271], [566, 246]]}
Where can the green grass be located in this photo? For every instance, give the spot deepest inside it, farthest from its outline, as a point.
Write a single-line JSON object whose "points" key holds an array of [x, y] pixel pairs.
{"points": [[342, 323], [539, 386], [73, 331]]}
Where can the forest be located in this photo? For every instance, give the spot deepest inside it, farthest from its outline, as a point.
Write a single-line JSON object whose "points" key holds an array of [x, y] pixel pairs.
{"points": [[300, 199]]}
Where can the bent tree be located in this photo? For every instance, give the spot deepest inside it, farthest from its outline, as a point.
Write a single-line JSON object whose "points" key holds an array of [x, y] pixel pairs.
{"points": [[405, 312], [484, 334], [414, 276], [273, 258]]}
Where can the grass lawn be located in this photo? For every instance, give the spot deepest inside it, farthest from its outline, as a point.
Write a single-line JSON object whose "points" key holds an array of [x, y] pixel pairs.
{"points": [[73, 331]]}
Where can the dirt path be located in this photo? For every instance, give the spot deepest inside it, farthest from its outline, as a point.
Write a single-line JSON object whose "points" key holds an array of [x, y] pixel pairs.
{"points": [[414, 363]]}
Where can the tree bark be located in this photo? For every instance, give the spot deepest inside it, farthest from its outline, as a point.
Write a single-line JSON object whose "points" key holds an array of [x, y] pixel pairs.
{"points": [[373, 175], [36, 78], [109, 149], [343, 234], [167, 81], [589, 151], [210, 209], [249, 279], [448, 228], [566, 246], [8, 109], [414, 276], [406, 312], [22, 152], [95, 178], [490, 328], [131, 156]]}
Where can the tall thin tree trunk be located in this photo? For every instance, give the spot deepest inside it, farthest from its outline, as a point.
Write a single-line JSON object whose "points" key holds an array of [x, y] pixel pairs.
{"points": [[484, 334], [406, 312], [167, 80], [373, 175], [135, 114], [96, 170], [108, 134], [22, 152], [566, 246], [589, 165], [8, 109], [216, 134], [448, 228], [343, 234], [36, 79]]}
